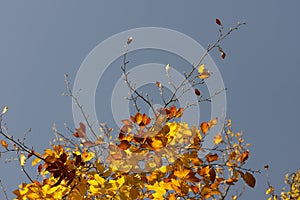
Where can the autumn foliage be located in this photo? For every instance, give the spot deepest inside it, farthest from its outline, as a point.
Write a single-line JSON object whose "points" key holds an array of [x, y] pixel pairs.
{"points": [[151, 158]]}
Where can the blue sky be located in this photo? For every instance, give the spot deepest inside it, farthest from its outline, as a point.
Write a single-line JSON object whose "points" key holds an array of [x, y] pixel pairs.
{"points": [[43, 40]]}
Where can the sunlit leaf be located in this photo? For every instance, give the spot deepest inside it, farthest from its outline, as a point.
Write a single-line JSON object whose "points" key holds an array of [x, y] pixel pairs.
{"points": [[218, 139], [181, 173], [124, 145], [245, 156], [204, 127], [35, 161], [4, 110], [211, 157], [4, 144], [22, 159], [203, 73]]}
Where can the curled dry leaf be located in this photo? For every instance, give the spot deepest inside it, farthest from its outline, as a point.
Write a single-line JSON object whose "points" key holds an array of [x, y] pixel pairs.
{"points": [[129, 40], [81, 131], [218, 22], [223, 54], [197, 92]]}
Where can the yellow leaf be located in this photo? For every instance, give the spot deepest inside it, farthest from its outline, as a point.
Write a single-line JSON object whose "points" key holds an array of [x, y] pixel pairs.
{"points": [[181, 173], [35, 161], [203, 73], [22, 159], [87, 156], [4, 110], [218, 139], [269, 190], [159, 190]]}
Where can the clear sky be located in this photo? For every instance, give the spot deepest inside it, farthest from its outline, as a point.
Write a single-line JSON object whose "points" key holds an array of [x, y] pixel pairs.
{"points": [[40, 41]]}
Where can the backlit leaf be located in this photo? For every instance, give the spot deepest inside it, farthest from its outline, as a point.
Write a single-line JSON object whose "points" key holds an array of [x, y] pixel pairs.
{"points": [[35, 161], [4, 110], [124, 145], [203, 73], [211, 157], [245, 156], [22, 159], [204, 127], [218, 139], [4, 144]]}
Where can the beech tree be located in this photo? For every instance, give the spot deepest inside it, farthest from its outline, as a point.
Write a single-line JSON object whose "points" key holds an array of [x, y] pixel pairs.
{"points": [[156, 157]]}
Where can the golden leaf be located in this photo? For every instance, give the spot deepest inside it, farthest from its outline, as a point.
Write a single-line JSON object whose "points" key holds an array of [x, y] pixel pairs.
{"points": [[182, 173], [245, 156], [218, 139], [35, 161], [203, 73], [211, 157]]}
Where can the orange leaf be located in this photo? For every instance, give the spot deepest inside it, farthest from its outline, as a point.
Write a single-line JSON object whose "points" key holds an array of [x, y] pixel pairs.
{"points": [[204, 127], [4, 144], [231, 181], [124, 145], [204, 171], [40, 167], [249, 179], [211, 157], [195, 189], [245, 156]]}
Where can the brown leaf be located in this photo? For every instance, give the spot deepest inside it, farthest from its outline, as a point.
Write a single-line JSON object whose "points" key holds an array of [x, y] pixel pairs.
{"points": [[218, 22], [81, 131], [197, 92], [212, 175], [40, 167], [124, 145], [249, 179], [223, 54], [211, 157]]}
